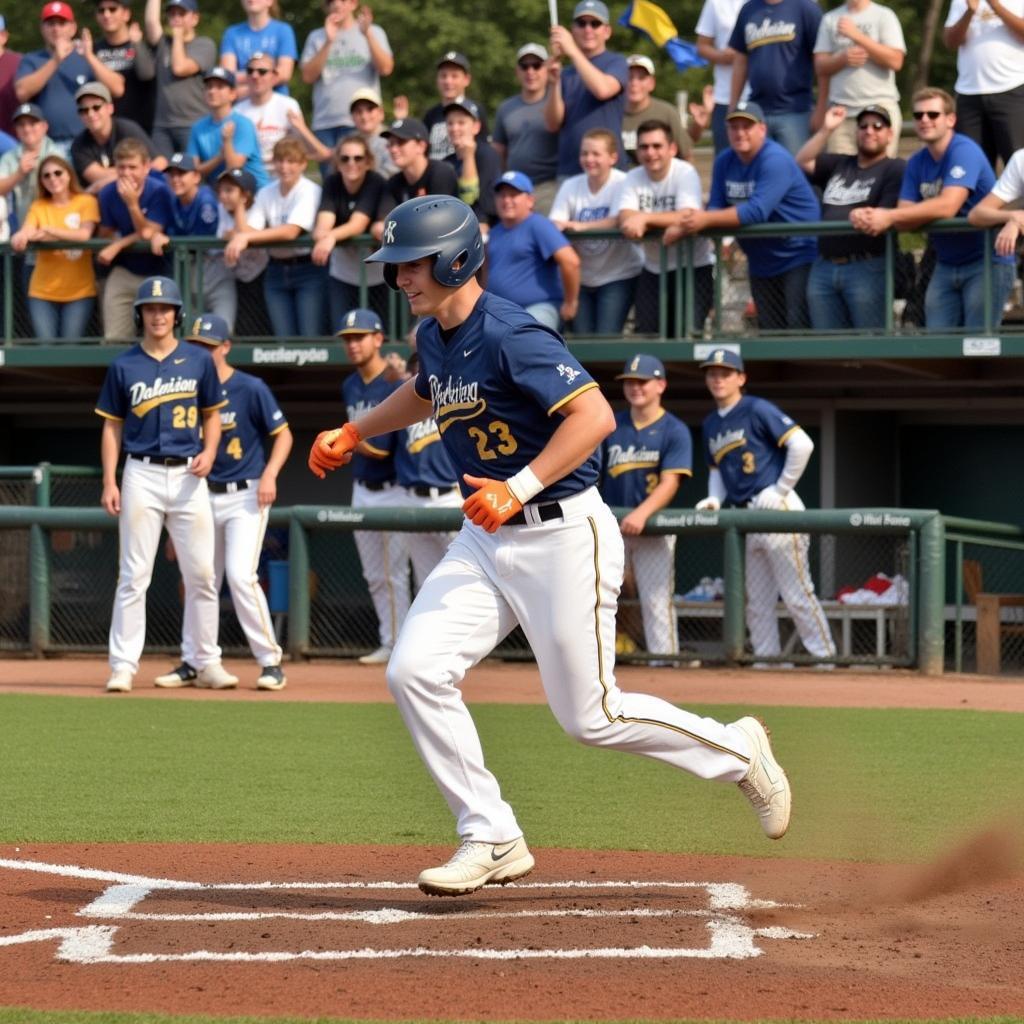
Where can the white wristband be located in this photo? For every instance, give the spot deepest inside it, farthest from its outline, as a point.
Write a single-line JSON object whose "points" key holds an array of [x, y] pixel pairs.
{"points": [[524, 485]]}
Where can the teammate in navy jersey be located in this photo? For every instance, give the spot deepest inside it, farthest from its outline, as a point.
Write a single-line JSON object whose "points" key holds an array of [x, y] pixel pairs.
{"points": [[384, 556], [521, 421], [156, 398], [645, 458], [243, 486], [756, 455]]}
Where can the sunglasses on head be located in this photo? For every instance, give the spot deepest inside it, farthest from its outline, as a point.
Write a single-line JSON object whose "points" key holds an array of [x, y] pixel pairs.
{"points": [[587, 22], [91, 108], [530, 65], [932, 115], [351, 158]]}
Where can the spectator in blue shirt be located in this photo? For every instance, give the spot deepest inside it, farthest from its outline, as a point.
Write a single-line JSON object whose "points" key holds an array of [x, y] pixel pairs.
{"points": [[529, 260], [774, 45], [224, 139], [591, 93], [947, 177], [51, 76], [261, 32], [755, 181], [193, 204]]}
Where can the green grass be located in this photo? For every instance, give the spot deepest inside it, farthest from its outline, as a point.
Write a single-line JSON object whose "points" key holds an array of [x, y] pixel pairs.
{"points": [[869, 784]]}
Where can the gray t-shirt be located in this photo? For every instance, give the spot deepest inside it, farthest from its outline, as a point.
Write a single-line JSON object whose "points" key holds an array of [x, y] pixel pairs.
{"points": [[532, 149], [856, 88], [348, 67], [180, 101], [656, 110]]}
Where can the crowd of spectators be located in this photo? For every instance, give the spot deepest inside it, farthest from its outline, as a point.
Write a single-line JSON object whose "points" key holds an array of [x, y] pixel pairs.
{"points": [[140, 132]]}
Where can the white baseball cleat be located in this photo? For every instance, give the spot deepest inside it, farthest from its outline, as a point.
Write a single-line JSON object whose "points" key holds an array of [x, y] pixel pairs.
{"points": [[765, 785], [381, 656], [183, 675], [120, 681], [271, 678], [475, 865], [216, 677]]}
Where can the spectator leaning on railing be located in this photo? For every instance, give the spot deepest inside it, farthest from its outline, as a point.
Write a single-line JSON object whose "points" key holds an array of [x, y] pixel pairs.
{"points": [[992, 211], [947, 177]]}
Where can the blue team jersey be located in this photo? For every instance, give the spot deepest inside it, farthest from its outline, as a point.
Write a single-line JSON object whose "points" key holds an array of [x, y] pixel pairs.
{"points": [[634, 458], [250, 415], [197, 218], [519, 261], [496, 385], [360, 397], [770, 189], [420, 457], [963, 164], [746, 446], [205, 142], [160, 401]]}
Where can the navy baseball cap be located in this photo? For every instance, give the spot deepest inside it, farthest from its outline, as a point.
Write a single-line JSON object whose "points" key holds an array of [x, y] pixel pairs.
{"points": [[595, 8], [241, 177], [748, 111], [466, 105], [516, 180], [28, 110], [878, 112], [460, 60], [187, 5], [406, 128], [724, 357], [643, 367], [182, 162], [221, 74], [209, 329], [359, 321]]}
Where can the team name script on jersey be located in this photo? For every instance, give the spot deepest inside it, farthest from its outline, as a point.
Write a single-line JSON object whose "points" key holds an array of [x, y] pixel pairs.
{"points": [[769, 32], [622, 460], [455, 400], [145, 397], [721, 444], [419, 435]]}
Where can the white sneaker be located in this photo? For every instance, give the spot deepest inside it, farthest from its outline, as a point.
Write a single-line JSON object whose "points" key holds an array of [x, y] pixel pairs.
{"points": [[271, 678], [765, 785], [475, 865], [183, 675], [381, 656], [120, 681], [215, 677]]}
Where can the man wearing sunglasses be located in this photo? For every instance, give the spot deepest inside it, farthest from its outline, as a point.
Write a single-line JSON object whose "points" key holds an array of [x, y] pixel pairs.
{"points": [[520, 135], [847, 283], [591, 93], [947, 177], [125, 60]]}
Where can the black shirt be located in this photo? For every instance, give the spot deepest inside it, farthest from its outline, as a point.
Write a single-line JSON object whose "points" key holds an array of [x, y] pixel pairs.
{"points": [[86, 150], [139, 99], [438, 180], [337, 199]]}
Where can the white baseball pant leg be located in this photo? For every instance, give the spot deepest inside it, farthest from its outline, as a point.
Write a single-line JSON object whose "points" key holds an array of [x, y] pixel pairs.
{"points": [[654, 569], [384, 557], [150, 496], [427, 549], [560, 580]]}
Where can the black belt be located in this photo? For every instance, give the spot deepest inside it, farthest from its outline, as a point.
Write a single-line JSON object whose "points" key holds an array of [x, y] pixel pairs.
{"points": [[161, 460], [854, 257], [228, 486], [375, 485], [545, 513], [290, 259], [423, 491]]}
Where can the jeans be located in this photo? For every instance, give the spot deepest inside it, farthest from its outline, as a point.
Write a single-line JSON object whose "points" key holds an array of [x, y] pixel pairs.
{"points": [[546, 313], [789, 130], [603, 310], [782, 300], [342, 297], [60, 321], [647, 298], [956, 295], [296, 296], [847, 294]]}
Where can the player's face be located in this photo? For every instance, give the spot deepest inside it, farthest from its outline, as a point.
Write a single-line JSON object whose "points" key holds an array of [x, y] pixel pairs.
{"points": [[158, 320], [931, 122], [513, 206], [596, 158], [367, 117], [452, 81], [643, 394], [873, 135], [655, 151], [363, 348], [424, 293], [724, 383]]}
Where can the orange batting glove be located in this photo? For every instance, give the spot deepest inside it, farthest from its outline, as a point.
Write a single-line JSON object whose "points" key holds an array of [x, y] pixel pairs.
{"points": [[333, 448], [491, 505]]}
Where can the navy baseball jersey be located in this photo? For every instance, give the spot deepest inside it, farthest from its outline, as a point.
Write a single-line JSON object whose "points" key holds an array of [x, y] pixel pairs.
{"points": [[635, 458], [160, 401], [746, 446], [496, 383], [360, 397], [251, 414], [420, 457]]}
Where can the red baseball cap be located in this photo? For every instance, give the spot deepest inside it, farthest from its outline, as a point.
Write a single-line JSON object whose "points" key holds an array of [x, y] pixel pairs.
{"points": [[57, 9]]}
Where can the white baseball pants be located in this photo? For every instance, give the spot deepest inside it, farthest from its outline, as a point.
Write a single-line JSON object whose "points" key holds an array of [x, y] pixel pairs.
{"points": [[560, 581], [239, 527], [384, 558], [427, 549], [654, 568], [152, 496]]}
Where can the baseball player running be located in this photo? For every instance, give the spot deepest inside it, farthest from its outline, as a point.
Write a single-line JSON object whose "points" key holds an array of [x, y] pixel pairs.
{"points": [[521, 421], [756, 455], [243, 486], [384, 556], [156, 397], [645, 457]]}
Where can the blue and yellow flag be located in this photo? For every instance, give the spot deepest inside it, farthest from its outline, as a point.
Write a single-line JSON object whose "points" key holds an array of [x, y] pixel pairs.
{"points": [[653, 22]]}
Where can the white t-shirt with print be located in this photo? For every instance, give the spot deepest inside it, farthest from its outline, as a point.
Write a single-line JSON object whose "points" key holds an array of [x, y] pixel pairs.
{"points": [[991, 59], [272, 209], [271, 121]]}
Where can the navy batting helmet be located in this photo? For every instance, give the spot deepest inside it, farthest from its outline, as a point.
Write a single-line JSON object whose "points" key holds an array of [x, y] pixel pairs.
{"points": [[440, 226], [162, 290]]}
